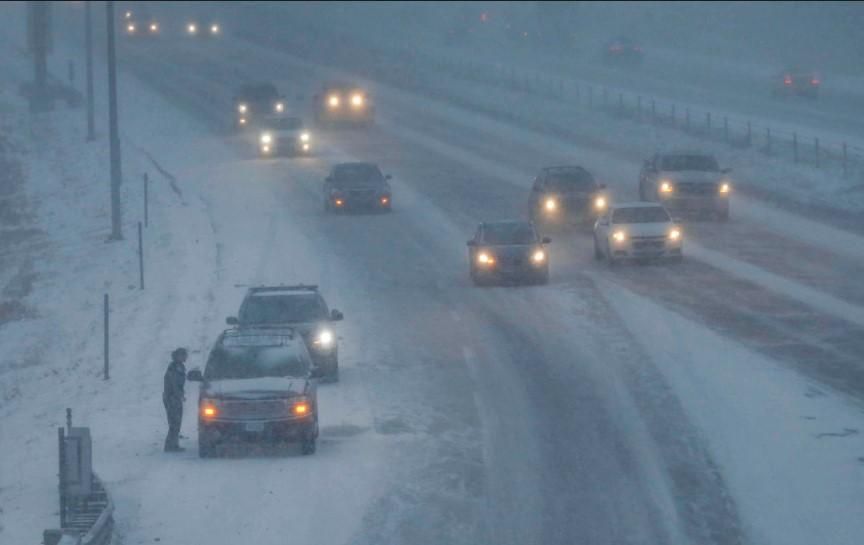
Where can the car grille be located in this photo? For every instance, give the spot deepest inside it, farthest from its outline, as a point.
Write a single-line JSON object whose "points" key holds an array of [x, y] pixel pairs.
{"points": [[362, 195], [286, 141], [253, 409], [648, 243], [694, 189]]}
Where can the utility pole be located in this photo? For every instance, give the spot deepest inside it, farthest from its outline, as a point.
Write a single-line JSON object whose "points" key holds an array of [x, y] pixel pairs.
{"points": [[116, 174], [39, 43], [88, 43]]}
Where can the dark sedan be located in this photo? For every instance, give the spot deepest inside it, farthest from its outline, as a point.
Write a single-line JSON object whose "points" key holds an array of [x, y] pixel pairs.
{"points": [[357, 186], [508, 250]]}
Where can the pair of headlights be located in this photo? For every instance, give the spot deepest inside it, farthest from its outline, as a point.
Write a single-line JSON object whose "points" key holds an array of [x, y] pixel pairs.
{"points": [[209, 408], [551, 204], [192, 28], [487, 259], [357, 100], [267, 138], [673, 235]]}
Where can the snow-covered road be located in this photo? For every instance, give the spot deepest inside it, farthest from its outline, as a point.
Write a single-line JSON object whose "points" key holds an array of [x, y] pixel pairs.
{"points": [[560, 414]]}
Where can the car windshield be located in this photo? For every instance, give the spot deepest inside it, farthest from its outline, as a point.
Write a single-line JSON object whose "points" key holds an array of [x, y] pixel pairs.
{"points": [[357, 173], [509, 233], [259, 93], [641, 214], [570, 182], [286, 123], [239, 362], [689, 162], [283, 309]]}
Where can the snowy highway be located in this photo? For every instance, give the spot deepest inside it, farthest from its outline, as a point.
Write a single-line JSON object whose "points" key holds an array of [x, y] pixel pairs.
{"points": [[654, 404]]}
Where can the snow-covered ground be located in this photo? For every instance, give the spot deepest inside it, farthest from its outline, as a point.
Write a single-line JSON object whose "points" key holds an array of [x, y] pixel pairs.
{"points": [[715, 402]]}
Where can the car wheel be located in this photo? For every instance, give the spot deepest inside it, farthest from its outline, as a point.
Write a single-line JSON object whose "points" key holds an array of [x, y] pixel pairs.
{"points": [[308, 445], [598, 255], [205, 449]]}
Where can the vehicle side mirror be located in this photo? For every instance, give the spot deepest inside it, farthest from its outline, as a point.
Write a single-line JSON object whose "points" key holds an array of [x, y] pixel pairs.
{"points": [[602, 186], [195, 376], [232, 320], [336, 316], [726, 170], [546, 240], [388, 177], [471, 243]]}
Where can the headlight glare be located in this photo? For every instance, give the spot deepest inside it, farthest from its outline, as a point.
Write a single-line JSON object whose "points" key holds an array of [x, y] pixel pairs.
{"points": [[214, 29], [666, 187], [333, 101], [619, 236], [725, 188], [600, 203], [266, 138], [304, 137], [484, 258], [675, 234], [325, 338], [539, 256], [357, 100], [280, 107], [551, 205], [242, 108]]}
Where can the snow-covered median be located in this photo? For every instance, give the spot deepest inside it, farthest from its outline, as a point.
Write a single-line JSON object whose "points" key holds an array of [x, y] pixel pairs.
{"points": [[791, 452]]}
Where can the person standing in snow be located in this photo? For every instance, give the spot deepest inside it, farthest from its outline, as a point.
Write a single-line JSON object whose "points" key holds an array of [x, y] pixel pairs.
{"points": [[173, 396]]}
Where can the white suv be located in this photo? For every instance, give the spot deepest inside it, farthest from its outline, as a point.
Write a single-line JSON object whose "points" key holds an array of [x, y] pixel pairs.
{"points": [[637, 231]]}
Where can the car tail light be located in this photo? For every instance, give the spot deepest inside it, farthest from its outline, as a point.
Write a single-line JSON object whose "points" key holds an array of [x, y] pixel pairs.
{"points": [[814, 81], [787, 80]]}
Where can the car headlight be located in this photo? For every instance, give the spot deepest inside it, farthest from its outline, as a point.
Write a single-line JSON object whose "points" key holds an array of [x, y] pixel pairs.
{"points": [[666, 187], [214, 29], [333, 101], [619, 236], [600, 203], [484, 258], [128, 15], [301, 407], [357, 100], [725, 188], [130, 28], [242, 120], [192, 28], [538, 256], [280, 107], [675, 234], [304, 137], [324, 339], [208, 409], [266, 138], [551, 205], [242, 108], [154, 27]]}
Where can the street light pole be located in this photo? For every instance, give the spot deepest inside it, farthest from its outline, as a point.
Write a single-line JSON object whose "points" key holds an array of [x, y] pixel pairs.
{"points": [[88, 43], [116, 174]]}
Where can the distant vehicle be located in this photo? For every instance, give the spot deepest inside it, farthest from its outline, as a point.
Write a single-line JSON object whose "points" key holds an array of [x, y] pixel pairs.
{"points": [[623, 51], [796, 82], [256, 387], [508, 250], [301, 308], [203, 27], [686, 183], [357, 185], [343, 103], [566, 195], [630, 231], [280, 135], [256, 101], [140, 24]]}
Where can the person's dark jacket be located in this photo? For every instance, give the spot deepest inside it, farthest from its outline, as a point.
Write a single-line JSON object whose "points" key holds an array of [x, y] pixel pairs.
{"points": [[175, 381]]}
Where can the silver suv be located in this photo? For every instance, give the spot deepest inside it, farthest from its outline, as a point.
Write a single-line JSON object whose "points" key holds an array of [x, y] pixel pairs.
{"points": [[686, 183]]}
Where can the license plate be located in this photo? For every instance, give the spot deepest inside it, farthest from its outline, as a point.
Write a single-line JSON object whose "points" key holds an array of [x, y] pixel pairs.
{"points": [[255, 426]]}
